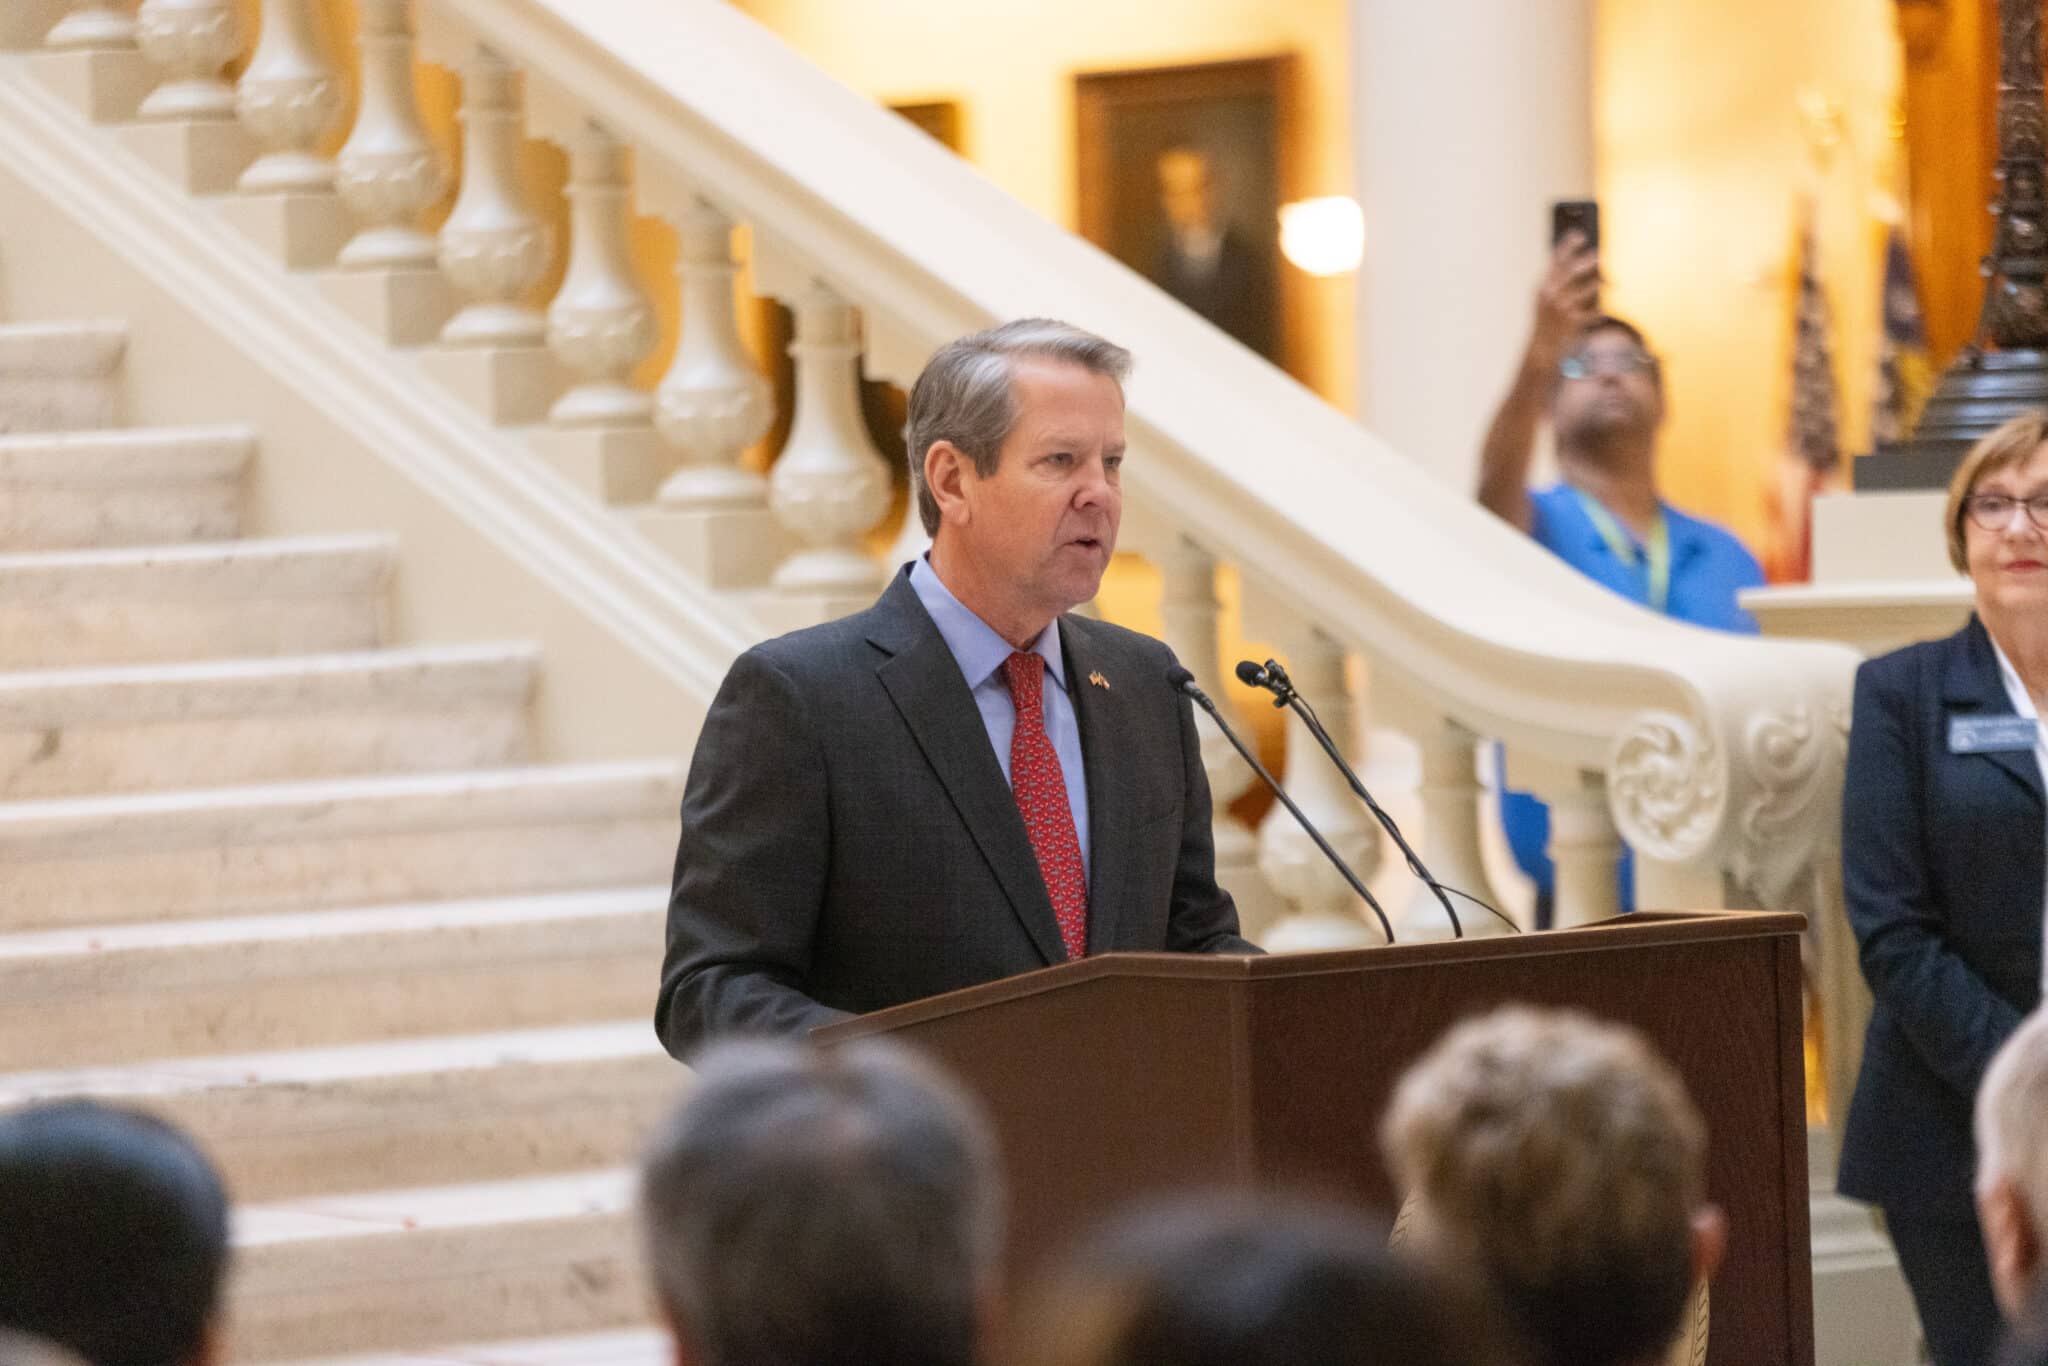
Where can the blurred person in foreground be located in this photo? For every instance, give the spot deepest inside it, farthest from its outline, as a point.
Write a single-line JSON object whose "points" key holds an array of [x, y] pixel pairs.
{"points": [[113, 1236], [1560, 1160], [2012, 1178], [808, 1208], [1225, 1281], [1943, 829], [1595, 379]]}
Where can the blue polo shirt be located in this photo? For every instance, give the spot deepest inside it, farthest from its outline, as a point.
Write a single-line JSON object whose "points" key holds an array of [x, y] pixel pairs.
{"points": [[1708, 567]]}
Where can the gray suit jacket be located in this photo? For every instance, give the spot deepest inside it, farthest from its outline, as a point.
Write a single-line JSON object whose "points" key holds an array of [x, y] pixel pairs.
{"points": [[849, 842]]}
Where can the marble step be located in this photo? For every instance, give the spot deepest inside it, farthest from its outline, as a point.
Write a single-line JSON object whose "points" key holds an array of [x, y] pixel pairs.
{"points": [[225, 851], [62, 609], [406, 1269], [60, 377], [68, 490], [113, 994], [213, 723], [626, 1347], [405, 1112]]}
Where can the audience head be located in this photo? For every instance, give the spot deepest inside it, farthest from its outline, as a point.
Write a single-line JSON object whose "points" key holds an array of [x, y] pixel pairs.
{"points": [[2012, 1163], [1221, 1281], [1610, 389], [1561, 1160], [810, 1208], [114, 1236]]}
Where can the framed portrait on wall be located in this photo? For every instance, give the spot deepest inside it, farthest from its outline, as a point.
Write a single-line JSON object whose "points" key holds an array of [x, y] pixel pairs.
{"points": [[1182, 173]]}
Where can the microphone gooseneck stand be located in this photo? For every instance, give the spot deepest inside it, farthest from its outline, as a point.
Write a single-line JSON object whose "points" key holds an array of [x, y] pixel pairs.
{"points": [[1273, 678], [1184, 682]]}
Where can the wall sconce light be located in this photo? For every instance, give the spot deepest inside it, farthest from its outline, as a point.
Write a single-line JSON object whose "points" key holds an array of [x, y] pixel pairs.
{"points": [[1323, 236]]}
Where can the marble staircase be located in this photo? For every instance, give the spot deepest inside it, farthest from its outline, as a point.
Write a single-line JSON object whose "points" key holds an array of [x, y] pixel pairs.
{"points": [[311, 893]]}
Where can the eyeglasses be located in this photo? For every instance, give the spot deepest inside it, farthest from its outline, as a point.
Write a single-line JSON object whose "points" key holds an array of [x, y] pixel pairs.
{"points": [[1589, 363], [1993, 511]]}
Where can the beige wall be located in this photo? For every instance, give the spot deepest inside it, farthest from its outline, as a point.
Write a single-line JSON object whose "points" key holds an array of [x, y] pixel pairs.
{"points": [[1703, 153], [1011, 67]]}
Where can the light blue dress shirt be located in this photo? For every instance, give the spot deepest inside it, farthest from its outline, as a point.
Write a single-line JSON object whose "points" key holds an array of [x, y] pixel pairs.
{"points": [[980, 652]]}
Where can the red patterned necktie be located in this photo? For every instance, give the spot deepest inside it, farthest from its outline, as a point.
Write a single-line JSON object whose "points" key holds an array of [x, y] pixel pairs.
{"points": [[1041, 792]]}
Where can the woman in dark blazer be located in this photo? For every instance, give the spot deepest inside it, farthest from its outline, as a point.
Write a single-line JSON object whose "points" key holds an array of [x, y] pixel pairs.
{"points": [[1943, 837]]}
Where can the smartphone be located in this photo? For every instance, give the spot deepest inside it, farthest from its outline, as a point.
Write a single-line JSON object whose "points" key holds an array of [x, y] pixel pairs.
{"points": [[1576, 215]]}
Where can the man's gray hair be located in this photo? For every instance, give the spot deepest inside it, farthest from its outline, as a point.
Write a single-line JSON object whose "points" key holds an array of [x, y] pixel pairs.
{"points": [[805, 1207], [2012, 1118], [963, 395]]}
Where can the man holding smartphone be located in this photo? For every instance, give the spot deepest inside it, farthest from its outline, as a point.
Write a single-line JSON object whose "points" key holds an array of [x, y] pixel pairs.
{"points": [[1594, 377]]}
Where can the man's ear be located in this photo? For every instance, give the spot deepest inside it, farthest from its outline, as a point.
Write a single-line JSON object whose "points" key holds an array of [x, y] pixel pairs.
{"points": [[947, 469], [1709, 1242], [2011, 1243]]}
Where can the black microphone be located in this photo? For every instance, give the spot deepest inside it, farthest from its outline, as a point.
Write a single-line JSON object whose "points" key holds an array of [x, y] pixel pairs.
{"points": [[1257, 676], [1274, 679], [1183, 681]]}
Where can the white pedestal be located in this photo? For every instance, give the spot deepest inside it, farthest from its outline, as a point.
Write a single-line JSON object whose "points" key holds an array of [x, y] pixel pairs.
{"points": [[106, 87], [512, 386], [404, 307], [206, 158], [724, 547], [1881, 576], [305, 231], [612, 464], [785, 612]]}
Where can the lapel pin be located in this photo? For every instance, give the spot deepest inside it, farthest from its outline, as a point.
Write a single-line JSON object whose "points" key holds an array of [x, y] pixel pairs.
{"points": [[1098, 680]]}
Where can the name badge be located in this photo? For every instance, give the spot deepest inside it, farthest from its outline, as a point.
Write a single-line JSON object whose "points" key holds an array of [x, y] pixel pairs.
{"points": [[1991, 734]]}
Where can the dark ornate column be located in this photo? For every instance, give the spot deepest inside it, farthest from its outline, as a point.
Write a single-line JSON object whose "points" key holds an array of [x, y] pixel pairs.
{"points": [[2006, 368]]}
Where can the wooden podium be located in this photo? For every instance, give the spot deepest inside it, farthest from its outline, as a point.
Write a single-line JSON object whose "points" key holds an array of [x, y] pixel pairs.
{"points": [[1131, 1074]]}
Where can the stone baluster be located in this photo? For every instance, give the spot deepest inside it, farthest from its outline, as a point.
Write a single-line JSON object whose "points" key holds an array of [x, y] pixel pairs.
{"points": [[388, 174], [713, 404], [193, 41], [1583, 848], [290, 99], [387, 171], [831, 485], [493, 246], [1324, 912], [188, 128], [1449, 839], [91, 58], [912, 540], [496, 251], [1189, 614], [600, 327]]}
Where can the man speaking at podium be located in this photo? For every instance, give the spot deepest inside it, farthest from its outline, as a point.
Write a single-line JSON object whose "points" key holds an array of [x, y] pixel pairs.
{"points": [[962, 782]]}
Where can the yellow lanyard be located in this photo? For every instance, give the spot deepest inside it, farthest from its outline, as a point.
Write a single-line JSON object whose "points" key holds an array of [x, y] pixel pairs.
{"points": [[1656, 548]]}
